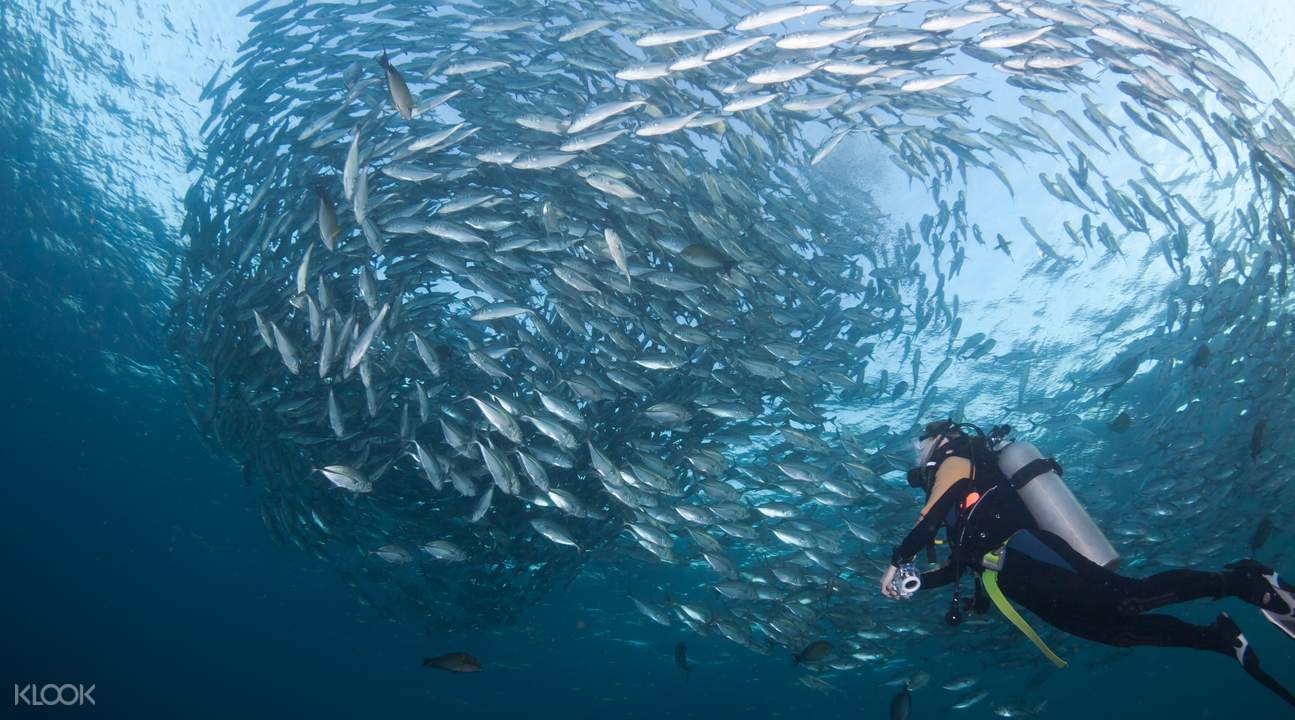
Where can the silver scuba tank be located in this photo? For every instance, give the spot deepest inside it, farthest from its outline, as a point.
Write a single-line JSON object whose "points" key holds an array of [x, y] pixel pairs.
{"points": [[1055, 508]]}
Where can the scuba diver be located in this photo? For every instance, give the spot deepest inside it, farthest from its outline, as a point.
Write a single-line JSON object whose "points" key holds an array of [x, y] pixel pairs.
{"points": [[1010, 519]]}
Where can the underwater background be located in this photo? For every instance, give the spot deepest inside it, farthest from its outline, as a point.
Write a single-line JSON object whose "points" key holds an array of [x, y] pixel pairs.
{"points": [[137, 559]]}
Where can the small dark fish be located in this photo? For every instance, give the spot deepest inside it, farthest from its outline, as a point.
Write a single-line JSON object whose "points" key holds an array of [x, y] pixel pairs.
{"points": [[681, 659], [1262, 533], [1257, 439], [458, 662], [1121, 422], [813, 652], [1003, 245], [901, 704], [1202, 357]]}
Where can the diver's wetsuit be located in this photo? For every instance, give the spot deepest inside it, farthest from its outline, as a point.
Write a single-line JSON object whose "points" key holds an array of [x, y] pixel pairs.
{"points": [[1073, 593], [1043, 573]]}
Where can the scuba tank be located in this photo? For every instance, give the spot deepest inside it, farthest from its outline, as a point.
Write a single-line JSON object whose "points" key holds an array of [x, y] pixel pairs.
{"points": [[1052, 504]]}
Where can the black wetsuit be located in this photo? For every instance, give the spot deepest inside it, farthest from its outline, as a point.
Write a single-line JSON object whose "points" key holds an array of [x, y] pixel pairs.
{"points": [[1044, 574]]}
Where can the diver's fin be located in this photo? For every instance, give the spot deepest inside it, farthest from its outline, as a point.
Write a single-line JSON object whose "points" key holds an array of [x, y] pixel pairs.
{"points": [[1275, 598], [1285, 623], [1241, 652], [1283, 618]]}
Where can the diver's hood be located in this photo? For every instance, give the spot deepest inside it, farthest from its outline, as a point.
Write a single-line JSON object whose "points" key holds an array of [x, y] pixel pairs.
{"points": [[925, 448]]}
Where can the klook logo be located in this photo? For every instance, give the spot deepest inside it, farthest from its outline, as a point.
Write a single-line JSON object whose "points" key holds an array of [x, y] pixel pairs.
{"points": [[33, 695]]}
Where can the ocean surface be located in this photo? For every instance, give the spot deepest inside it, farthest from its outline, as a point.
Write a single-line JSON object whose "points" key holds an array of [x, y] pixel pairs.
{"points": [[135, 548]]}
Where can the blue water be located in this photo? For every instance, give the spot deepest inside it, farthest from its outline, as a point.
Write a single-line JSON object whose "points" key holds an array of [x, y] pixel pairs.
{"points": [[137, 563], [133, 554]]}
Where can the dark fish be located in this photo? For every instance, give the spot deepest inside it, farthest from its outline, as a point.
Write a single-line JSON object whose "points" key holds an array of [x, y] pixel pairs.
{"points": [[1121, 422], [457, 662], [681, 659], [1202, 357], [813, 652], [1257, 439], [1003, 245], [1262, 533], [901, 704]]}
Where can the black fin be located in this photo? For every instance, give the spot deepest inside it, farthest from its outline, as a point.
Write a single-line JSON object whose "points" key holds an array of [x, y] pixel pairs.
{"points": [[1234, 643], [1251, 665]]}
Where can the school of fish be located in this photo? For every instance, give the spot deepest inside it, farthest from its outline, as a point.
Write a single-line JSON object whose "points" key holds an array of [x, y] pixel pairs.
{"points": [[498, 289]]}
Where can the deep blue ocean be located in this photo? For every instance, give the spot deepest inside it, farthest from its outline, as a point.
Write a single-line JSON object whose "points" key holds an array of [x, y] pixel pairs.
{"points": [[133, 550]]}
